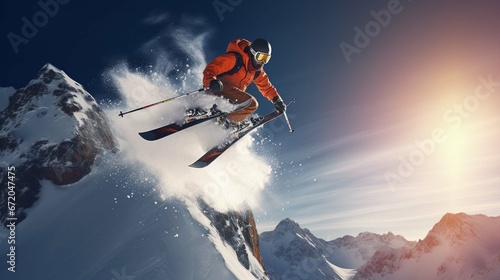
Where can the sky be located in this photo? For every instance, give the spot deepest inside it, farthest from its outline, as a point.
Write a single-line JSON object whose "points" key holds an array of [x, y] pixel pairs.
{"points": [[396, 120]]}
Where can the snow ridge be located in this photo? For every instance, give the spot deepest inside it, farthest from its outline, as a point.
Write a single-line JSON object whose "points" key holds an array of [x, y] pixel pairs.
{"points": [[353, 252]]}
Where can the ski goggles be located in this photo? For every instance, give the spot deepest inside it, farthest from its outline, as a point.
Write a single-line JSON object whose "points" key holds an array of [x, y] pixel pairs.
{"points": [[260, 56]]}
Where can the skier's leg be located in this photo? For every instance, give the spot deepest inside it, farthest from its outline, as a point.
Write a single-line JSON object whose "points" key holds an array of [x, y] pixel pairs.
{"points": [[236, 96]]}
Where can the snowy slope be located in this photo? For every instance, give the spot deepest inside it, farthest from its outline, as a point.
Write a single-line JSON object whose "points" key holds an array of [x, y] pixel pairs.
{"points": [[459, 246], [110, 224]]}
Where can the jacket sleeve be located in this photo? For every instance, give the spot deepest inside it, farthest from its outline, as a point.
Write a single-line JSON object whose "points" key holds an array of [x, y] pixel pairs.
{"points": [[218, 66], [265, 87]]}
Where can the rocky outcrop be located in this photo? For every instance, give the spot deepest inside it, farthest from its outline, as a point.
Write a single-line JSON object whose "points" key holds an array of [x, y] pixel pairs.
{"points": [[238, 229]]}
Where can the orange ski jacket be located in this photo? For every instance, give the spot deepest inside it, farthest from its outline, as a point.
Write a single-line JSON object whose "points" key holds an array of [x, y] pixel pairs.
{"points": [[244, 76]]}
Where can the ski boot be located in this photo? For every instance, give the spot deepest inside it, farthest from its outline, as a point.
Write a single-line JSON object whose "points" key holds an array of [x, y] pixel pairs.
{"points": [[199, 113], [237, 127], [225, 122], [228, 125], [194, 114], [256, 120], [248, 123], [215, 110]]}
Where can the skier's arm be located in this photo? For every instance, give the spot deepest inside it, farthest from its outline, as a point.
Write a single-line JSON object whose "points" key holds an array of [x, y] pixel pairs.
{"points": [[218, 66], [265, 87]]}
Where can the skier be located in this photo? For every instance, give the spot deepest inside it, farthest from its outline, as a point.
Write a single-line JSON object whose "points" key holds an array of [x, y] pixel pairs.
{"points": [[230, 74]]}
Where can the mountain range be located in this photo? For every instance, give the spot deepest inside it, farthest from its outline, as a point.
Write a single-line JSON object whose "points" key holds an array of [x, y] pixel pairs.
{"points": [[459, 246]]}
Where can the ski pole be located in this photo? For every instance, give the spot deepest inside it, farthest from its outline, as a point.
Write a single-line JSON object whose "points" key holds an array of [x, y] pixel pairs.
{"points": [[160, 102], [286, 117]]}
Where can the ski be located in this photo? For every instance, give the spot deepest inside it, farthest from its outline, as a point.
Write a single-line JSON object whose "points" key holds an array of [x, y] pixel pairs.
{"points": [[217, 151], [172, 128]]}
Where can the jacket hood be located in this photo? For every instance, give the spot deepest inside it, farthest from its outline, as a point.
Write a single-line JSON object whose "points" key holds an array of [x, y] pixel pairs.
{"points": [[238, 45]]}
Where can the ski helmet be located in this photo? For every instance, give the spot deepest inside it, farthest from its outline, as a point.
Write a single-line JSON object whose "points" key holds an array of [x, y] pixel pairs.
{"points": [[261, 50]]}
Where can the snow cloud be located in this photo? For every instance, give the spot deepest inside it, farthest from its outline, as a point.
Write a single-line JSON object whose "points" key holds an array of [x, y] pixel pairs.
{"points": [[232, 181]]}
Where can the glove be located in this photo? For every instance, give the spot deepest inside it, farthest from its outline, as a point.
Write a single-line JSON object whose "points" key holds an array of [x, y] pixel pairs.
{"points": [[215, 85], [279, 105]]}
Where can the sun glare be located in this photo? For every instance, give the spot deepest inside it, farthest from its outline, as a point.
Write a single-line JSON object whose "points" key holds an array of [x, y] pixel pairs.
{"points": [[453, 155]]}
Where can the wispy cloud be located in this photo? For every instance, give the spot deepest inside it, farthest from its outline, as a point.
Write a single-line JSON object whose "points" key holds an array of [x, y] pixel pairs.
{"points": [[156, 18]]}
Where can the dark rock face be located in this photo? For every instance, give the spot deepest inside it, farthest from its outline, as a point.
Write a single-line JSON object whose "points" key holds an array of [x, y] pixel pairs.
{"points": [[238, 229], [52, 101]]}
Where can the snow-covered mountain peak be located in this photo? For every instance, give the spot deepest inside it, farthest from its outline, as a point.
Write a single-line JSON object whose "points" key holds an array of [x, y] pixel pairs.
{"points": [[451, 230], [289, 232], [290, 252], [51, 129], [49, 74], [288, 225], [454, 228], [51, 107]]}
